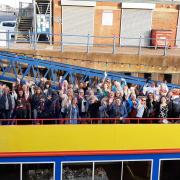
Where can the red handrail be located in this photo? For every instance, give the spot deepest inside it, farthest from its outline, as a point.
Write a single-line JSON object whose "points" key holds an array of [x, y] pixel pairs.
{"points": [[61, 121]]}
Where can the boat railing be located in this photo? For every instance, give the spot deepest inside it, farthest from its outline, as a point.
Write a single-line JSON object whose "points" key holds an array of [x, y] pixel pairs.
{"points": [[84, 121]]}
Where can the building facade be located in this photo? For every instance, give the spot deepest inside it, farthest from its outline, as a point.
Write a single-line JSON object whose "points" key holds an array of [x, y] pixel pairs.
{"points": [[106, 19]]}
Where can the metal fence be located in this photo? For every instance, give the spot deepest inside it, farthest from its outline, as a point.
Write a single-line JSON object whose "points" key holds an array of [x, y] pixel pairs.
{"points": [[142, 1], [88, 43]]}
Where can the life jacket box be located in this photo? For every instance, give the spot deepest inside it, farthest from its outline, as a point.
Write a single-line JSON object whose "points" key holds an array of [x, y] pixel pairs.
{"points": [[162, 38]]}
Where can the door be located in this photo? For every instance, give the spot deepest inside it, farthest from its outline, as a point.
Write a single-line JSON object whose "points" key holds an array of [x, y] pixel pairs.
{"points": [[135, 23], [178, 32], [77, 20]]}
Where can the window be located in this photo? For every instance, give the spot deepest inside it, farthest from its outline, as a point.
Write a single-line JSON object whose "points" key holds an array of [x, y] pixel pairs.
{"points": [[10, 171], [124, 170], [107, 18], [30, 171], [107, 170], [137, 170], [168, 77], [127, 74], [8, 24], [77, 171], [170, 169], [147, 75], [42, 171]]}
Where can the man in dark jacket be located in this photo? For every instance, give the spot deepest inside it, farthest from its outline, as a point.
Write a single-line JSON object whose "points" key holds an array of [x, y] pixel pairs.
{"points": [[174, 108], [6, 104], [82, 104], [118, 110], [93, 109]]}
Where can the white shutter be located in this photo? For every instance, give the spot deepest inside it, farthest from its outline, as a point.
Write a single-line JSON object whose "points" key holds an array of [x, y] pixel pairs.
{"points": [[77, 20], [178, 32], [135, 23]]}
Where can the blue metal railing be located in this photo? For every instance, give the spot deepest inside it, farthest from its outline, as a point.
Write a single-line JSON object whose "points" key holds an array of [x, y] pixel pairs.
{"points": [[139, 44], [13, 59]]}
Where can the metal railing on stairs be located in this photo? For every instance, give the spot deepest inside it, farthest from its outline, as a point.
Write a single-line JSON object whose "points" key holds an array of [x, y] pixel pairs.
{"points": [[24, 19]]}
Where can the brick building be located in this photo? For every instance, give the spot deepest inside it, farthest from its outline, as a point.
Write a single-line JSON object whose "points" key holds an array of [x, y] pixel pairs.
{"points": [[129, 20]]}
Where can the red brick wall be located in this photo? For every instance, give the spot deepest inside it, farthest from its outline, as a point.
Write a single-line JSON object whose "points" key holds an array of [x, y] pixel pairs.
{"points": [[99, 29], [165, 17], [57, 29]]}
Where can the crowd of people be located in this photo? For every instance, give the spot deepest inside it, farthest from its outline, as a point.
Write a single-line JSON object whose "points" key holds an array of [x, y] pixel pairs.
{"points": [[103, 98]]}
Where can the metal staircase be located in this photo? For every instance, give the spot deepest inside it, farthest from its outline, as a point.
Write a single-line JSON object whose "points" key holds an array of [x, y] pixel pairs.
{"points": [[25, 21], [43, 7], [44, 16]]}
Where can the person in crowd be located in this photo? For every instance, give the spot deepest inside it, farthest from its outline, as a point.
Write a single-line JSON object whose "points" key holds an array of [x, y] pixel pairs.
{"points": [[21, 107], [64, 86], [163, 110], [141, 108], [103, 109], [44, 110], [6, 103], [163, 89], [1, 89], [116, 86], [27, 96], [41, 84], [149, 89], [55, 107], [82, 104], [73, 111], [47, 89], [132, 108], [118, 110], [64, 104], [36, 101], [93, 108], [151, 106]]}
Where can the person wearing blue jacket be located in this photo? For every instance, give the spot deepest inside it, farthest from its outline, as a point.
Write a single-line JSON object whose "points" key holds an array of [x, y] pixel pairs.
{"points": [[118, 109]]}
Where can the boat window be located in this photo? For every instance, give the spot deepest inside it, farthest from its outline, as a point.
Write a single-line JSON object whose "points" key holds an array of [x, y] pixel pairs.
{"points": [[107, 170], [10, 171], [169, 169], [38, 171], [137, 170], [77, 171], [110, 170]]}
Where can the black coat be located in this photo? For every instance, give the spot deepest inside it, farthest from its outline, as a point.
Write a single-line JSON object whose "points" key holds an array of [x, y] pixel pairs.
{"points": [[93, 109], [3, 102], [174, 108], [36, 100]]}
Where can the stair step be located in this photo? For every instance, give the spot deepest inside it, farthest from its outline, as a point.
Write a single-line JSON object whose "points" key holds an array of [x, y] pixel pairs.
{"points": [[24, 26], [25, 21]]}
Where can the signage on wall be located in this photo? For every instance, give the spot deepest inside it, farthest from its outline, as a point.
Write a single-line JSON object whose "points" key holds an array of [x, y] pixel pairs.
{"points": [[3, 38], [107, 18], [43, 23]]}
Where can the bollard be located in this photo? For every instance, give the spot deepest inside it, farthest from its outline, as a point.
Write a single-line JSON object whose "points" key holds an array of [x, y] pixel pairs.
{"points": [[165, 48], [33, 41], [139, 49], [114, 44], [88, 39], [8, 40], [62, 47]]}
